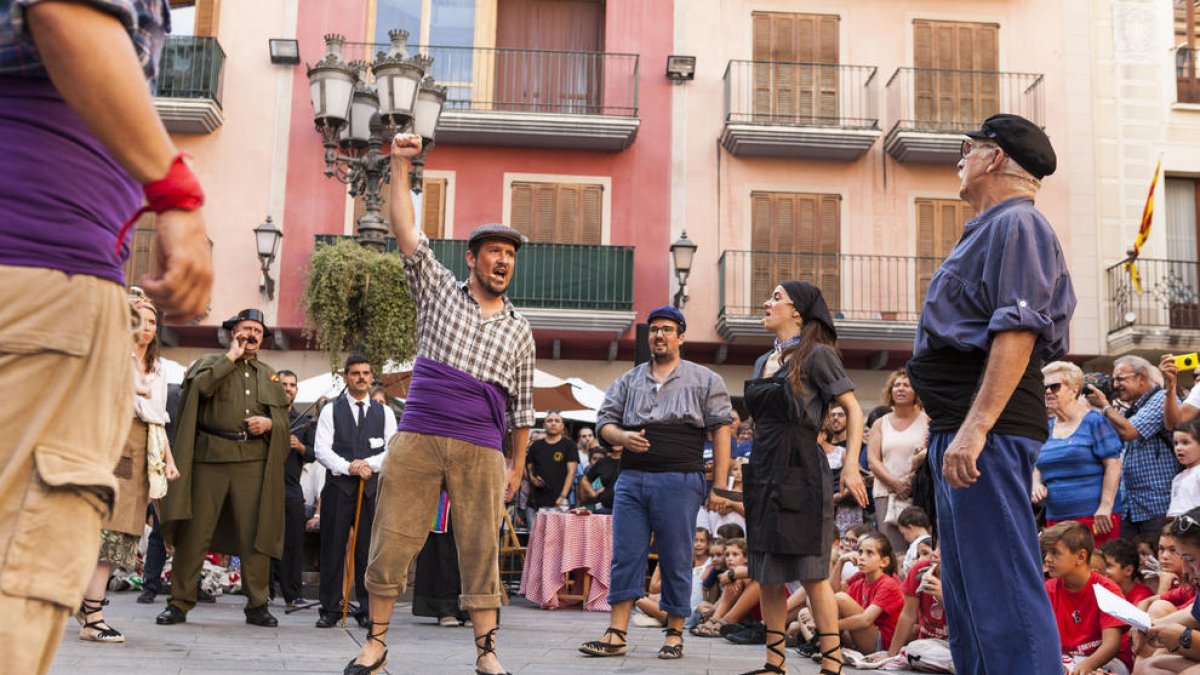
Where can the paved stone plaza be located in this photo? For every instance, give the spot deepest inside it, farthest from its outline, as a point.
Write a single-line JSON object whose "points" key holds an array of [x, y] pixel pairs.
{"points": [[533, 642]]}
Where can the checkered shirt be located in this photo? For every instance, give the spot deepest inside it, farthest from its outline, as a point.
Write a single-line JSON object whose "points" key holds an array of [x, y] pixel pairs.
{"points": [[451, 330], [146, 21], [1147, 463]]}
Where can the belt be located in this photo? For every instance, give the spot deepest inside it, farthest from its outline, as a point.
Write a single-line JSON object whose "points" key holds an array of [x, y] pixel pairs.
{"points": [[240, 436]]}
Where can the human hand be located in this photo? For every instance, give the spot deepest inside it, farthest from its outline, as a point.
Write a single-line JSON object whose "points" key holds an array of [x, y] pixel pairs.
{"points": [[958, 464], [182, 286], [237, 347], [1102, 520], [1165, 635], [1095, 397], [904, 488], [1039, 492], [852, 484], [258, 425], [172, 471], [313, 524], [635, 441], [537, 480], [718, 504], [296, 444], [513, 484], [931, 585], [406, 146], [1170, 371]]}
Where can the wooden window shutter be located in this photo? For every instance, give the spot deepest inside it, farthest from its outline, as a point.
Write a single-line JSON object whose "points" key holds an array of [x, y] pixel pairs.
{"points": [[561, 213], [591, 222], [142, 241], [939, 227], [795, 236], [433, 207], [522, 209], [544, 212], [955, 99], [791, 89]]}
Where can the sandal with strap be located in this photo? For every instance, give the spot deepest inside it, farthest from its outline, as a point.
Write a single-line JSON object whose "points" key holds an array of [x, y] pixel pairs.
{"points": [[711, 629], [672, 651], [353, 668], [776, 648], [487, 647], [602, 648], [99, 630], [827, 655]]}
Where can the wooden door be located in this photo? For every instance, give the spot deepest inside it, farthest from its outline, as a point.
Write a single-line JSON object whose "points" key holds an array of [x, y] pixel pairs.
{"points": [[796, 79], [795, 236], [956, 85], [939, 227]]}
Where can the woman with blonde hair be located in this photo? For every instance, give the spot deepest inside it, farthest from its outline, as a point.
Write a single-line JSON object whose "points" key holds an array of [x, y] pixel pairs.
{"points": [[1078, 472], [142, 473], [894, 440]]}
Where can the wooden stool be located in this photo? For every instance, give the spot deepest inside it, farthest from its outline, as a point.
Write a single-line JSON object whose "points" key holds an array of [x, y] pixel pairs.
{"points": [[576, 580]]}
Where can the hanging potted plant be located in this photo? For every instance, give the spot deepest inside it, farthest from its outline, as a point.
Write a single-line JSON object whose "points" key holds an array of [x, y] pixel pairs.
{"points": [[357, 298]]}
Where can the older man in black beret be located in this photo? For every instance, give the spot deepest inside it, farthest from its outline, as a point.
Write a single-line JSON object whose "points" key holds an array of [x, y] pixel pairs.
{"points": [[231, 444], [996, 310]]}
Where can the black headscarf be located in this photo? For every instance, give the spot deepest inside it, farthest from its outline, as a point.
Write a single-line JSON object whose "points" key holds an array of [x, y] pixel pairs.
{"points": [[810, 303]]}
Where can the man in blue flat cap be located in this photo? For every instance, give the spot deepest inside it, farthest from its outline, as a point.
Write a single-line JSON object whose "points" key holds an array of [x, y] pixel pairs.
{"points": [[997, 309], [659, 412]]}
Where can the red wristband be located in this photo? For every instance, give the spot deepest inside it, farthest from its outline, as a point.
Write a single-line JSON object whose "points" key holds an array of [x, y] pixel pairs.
{"points": [[179, 189]]}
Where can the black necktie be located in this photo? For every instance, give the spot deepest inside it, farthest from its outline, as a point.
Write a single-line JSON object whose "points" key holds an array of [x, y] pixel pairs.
{"points": [[362, 412]]}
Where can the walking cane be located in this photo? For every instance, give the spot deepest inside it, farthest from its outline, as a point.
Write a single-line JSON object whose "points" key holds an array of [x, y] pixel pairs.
{"points": [[350, 554]]}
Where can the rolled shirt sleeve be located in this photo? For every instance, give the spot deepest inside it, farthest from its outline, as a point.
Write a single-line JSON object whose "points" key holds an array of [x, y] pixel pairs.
{"points": [[718, 408], [520, 411], [612, 410]]}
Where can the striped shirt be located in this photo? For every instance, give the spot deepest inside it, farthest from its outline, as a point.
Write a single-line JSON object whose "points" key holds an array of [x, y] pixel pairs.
{"points": [[451, 330]]}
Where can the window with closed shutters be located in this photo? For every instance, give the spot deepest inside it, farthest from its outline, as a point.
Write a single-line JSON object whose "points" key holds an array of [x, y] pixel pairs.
{"points": [[142, 241], [559, 213], [432, 206], [939, 227], [796, 236], [955, 83], [795, 69]]}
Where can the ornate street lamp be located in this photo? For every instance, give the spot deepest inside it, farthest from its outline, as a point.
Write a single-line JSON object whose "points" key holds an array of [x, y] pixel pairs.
{"points": [[355, 119], [682, 252], [267, 238]]}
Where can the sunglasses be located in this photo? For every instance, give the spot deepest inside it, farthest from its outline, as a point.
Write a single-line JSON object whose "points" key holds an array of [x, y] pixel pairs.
{"points": [[1183, 524], [1053, 387]]}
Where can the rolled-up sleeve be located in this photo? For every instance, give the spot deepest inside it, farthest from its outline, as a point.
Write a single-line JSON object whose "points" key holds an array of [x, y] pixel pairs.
{"points": [[718, 409], [612, 411], [1021, 276], [521, 414]]}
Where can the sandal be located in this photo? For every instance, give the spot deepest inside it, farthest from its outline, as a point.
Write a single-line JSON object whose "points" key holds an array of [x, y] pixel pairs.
{"points": [[672, 651], [487, 647], [602, 648], [353, 668], [775, 648], [99, 630], [712, 629], [827, 654]]}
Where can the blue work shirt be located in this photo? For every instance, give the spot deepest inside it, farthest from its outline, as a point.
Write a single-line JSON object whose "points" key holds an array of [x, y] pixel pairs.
{"points": [[1006, 273]]}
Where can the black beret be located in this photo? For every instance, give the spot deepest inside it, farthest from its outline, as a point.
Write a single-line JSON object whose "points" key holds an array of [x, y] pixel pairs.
{"points": [[1022, 140]]}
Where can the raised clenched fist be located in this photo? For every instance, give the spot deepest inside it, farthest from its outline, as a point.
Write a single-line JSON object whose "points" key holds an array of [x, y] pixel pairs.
{"points": [[406, 146]]}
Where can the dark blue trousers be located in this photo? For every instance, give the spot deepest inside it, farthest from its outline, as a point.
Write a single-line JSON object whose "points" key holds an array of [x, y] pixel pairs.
{"points": [[997, 612], [156, 556]]}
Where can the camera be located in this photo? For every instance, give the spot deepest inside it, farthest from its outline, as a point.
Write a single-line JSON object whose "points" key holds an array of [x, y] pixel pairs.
{"points": [[1187, 361], [1100, 381]]}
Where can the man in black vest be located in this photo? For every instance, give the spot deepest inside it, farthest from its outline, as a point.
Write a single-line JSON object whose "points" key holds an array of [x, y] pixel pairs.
{"points": [[287, 570], [352, 437]]}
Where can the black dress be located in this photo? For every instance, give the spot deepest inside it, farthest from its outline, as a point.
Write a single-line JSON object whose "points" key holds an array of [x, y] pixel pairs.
{"points": [[788, 486]]}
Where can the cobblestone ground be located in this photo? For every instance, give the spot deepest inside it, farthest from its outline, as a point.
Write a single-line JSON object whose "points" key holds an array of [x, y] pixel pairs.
{"points": [[217, 640]]}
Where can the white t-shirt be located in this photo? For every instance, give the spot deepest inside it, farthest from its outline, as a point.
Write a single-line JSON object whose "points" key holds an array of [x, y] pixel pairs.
{"points": [[1193, 397], [711, 520], [836, 458], [1185, 491]]}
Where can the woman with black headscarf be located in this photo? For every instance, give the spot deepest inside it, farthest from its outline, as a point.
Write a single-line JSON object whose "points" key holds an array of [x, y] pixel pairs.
{"points": [[788, 486]]}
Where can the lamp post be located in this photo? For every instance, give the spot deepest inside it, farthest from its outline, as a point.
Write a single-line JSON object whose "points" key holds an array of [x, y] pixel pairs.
{"points": [[682, 252], [355, 119], [267, 238]]}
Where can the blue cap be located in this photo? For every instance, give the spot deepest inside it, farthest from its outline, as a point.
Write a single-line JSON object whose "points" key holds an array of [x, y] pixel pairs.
{"points": [[668, 312]]}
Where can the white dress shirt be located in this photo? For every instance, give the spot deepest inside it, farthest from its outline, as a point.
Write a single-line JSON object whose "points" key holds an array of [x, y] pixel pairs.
{"points": [[323, 446]]}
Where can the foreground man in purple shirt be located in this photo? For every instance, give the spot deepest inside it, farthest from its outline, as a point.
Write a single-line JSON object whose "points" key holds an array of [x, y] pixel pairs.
{"points": [[80, 143], [475, 357], [997, 308]]}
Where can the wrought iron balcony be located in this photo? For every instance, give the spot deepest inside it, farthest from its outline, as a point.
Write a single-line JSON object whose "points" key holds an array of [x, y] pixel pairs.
{"points": [[932, 108], [189, 84], [874, 298], [531, 97], [1167, 309], [1187, 84], [560, 287], [811, 110]]}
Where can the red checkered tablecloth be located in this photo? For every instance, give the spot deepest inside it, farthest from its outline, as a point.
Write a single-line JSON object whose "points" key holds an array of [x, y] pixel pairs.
{"points": [[561, 543]]}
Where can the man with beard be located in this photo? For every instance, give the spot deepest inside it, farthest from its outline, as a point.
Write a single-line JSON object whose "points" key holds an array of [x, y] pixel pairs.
{"points": [[998, 307], [659, 412], [472, 382], [231, 444], [287, 570]]}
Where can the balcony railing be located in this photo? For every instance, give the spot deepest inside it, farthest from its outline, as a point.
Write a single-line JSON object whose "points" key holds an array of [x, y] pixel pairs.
{"points": [[1187, 85], [954, 101], [856, 287], [800, 94], [191, 67], [528, 80], [553, 276], [1170, 297]]}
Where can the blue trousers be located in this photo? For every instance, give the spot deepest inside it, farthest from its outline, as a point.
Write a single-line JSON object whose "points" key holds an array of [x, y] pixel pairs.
{"points": [[666, 504], [997, 612], [156, 556]]}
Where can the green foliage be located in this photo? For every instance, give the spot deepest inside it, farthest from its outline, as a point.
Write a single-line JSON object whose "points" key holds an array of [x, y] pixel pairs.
{"points": [[357, 299]]}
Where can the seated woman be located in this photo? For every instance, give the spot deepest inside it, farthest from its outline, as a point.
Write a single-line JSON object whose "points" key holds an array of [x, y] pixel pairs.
{"points": [[1173, 633], [739, 594], [871, 603]]}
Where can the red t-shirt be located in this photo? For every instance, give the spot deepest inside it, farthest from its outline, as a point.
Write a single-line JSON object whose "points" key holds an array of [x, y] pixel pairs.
{"points": [[1080, 621], [1180, 595], [885, 594], [1138, 593], [931, 614]]}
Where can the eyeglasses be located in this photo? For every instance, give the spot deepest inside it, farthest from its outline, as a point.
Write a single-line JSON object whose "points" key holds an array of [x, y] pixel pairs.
{"points": [[968, 146], [1053, 387], [1122, 378], [665, 330]]}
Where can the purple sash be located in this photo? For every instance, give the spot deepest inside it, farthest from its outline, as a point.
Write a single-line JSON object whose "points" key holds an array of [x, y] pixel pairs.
{"points": [[445, 401]]}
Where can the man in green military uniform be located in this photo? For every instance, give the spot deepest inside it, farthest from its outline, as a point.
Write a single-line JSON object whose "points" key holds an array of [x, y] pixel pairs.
{"points": [[231, 443]]}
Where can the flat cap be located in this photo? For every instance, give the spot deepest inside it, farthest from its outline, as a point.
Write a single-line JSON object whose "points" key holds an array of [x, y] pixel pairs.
{"points": [[668, 312], [496, 231], [1022, 140]]}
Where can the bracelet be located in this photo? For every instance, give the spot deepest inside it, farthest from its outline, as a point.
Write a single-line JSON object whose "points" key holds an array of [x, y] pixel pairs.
{"points": [[179, 189]]}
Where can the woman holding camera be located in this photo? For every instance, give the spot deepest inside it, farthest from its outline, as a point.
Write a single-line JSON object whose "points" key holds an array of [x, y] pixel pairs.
{"points": [[1078, 472]]}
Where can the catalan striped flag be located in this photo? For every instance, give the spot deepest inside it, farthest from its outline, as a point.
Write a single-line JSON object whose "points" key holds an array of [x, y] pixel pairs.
{"points": [[1143, 232]]}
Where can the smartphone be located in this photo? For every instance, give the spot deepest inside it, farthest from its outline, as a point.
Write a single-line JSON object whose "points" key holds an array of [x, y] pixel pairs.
{"points": [[1187, 361], [924, 586]]}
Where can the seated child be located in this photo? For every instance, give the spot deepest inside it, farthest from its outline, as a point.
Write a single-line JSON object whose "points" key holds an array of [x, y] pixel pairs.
{"points": [[1174, 633], [1180, 594], [739, 594], [923, 609], [1121, 566], [652, 615], [913, 524], [842, 562], [1090, 639], [710, 590], [1185, 487], [872, 602]]}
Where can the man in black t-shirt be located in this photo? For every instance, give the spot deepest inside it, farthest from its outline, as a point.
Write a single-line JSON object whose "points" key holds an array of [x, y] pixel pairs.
{"points": [[550, 465], [601, 477]]}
